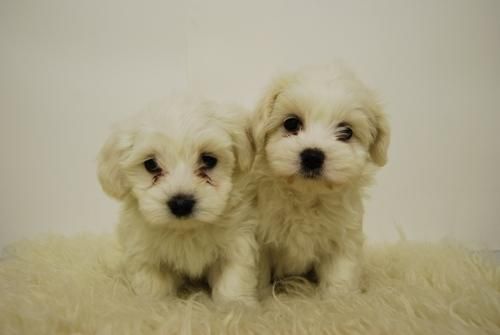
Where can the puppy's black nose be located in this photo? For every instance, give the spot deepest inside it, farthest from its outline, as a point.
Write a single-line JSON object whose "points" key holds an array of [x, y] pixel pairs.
{"points": [[181, 205], [312, 159]]}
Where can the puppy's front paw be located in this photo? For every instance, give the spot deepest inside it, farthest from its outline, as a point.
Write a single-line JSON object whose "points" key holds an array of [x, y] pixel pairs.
{"points": [[339, 276], [230, 298], [235, 303], [152, 283], [234, 290], [339, 289]]}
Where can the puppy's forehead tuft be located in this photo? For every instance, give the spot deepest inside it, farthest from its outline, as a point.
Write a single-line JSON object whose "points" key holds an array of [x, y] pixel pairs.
{"points": [[325, 97], [177, 131], [184, 120]]}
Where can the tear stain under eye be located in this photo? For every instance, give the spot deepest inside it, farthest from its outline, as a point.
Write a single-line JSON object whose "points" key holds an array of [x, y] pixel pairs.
{"points": [[210, 182], [290, 134], [202, 174], [156, 177]]}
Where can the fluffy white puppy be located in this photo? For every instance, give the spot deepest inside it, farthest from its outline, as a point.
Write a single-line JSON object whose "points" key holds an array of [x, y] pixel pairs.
{"points": [[319, 133], [178, 171]]}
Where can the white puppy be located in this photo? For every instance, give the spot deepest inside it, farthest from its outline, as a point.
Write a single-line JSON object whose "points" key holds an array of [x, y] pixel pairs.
{"points": [[178, 170], [319, 134]]}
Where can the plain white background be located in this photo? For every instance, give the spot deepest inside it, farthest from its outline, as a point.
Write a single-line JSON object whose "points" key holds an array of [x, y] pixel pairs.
{"points": [[69, 69]]}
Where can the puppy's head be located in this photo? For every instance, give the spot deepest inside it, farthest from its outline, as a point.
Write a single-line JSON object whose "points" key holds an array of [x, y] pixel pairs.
{"points": [[177, 161], [321, 125]]}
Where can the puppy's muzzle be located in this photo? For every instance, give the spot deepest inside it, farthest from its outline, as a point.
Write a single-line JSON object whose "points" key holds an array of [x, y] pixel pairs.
{"points": [[311, 162], [181, 205]]}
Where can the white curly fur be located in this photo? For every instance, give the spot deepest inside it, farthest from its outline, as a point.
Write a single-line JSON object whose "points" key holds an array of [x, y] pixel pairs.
{"points": [[217, 241], [316, 223], [69, 285]]}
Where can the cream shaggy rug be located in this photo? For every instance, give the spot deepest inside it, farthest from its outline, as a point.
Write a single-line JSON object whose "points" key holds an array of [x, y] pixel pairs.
{"points": [[69, 286]]}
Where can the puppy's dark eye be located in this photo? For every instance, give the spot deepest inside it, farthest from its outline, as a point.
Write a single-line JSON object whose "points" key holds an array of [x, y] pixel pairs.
{"points": [[292, 124], [208, 161], [343, 132], [152, 166]]}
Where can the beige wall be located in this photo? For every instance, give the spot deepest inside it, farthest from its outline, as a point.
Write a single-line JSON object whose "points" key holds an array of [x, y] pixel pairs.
{"points": [[69, 69]]}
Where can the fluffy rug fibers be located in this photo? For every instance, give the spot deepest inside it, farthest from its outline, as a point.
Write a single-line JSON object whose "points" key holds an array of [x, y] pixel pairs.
{"points": [[61, 285]]}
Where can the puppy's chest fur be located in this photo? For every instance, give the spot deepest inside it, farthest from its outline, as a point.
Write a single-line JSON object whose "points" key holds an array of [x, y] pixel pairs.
{"points": [[297, 229], [189, 252]]}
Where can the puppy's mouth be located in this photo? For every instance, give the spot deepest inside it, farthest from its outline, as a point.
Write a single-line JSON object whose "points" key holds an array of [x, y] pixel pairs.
{"points": [[311, 174]]}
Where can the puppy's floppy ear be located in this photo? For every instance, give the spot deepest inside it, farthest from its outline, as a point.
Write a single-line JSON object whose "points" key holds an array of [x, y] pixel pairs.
{"points": [[382, 137], [113, 180], [265, 108], [244, 147], [236, 121]]}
